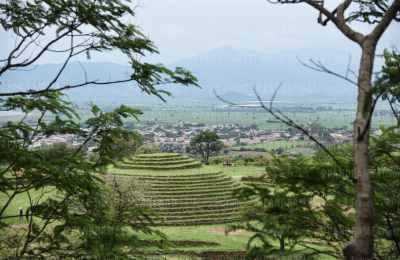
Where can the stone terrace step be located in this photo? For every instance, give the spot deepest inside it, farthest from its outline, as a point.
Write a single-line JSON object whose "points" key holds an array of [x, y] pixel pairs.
{"points": [[192, 204], [189, 202], [190, 192], [205, 188], [200, 209], [196, 217], [164, 162], [194, 185], [196, 222], [158, 155], [193, 164], [177, 178], [219, 195], [194, 214]]}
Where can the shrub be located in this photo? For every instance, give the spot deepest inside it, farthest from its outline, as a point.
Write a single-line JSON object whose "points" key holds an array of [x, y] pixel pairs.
{"points": [[148, 148]]}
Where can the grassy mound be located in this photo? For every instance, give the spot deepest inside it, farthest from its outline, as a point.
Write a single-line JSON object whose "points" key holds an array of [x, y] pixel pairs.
{"points": [[190, 199], [180, 192], [159, 161]]}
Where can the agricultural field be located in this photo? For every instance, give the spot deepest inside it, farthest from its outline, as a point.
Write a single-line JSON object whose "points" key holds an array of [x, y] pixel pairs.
{"points": [[337, 118], [295, 146]]}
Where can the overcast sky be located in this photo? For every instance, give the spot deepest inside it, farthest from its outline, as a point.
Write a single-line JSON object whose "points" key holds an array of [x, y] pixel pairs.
{"points": [[183, 28], [186, 28]]}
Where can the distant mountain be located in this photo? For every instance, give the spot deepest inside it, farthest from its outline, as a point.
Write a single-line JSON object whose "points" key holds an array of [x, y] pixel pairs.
{"points": [[228, 69], [232, 73], [40, 75]]}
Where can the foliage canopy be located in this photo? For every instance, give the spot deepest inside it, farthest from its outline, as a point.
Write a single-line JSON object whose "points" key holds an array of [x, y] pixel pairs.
{"points": [[64, 190]]}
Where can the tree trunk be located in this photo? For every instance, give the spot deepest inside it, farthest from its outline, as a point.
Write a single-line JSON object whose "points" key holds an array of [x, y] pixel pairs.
{"points": [[207, 153], [362, 245]]}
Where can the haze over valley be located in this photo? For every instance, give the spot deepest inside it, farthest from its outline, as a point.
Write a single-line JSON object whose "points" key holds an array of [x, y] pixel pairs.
{"points": [[231, 72]]}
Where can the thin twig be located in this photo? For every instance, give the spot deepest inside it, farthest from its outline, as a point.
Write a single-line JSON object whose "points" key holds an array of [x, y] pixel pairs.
{"points": [[320, 67]]}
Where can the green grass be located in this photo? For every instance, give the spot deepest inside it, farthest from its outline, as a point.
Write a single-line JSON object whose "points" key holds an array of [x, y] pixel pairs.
{"points": [[22, 201], [209, 233], [201, 200], [233, 171], [284, 144], [158, 155], [179, 166], [231, 242], [293, 146], [153, 162], [238, 171], [115, 170], [159, 162]]}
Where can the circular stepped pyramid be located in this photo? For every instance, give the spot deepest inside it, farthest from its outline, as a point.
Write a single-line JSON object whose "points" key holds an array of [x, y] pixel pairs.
{"points": [[159, 161], [189, 195], [193, 199]]}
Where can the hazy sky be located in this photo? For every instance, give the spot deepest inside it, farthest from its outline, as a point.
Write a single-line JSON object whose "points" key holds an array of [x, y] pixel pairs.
{"points": [[185, 28], [182, 28]]}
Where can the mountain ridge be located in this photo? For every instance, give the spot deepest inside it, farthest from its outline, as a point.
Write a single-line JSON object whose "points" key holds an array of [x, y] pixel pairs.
{"points": [[225, 70]]}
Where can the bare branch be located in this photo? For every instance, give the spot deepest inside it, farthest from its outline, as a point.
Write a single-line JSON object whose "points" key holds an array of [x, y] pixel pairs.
{"points": [[348, 68], [83, 43], [84, 71], [16, 56], [320, 67], [336, 16]]}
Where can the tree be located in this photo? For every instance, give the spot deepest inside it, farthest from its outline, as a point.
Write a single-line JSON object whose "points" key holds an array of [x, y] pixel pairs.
{"points": [[60, 187], [205, 143], [379, 14], [386, 162], [129, 144], [316, 189], [316, 129], [111, 233], [388, 82], [305, 204]]}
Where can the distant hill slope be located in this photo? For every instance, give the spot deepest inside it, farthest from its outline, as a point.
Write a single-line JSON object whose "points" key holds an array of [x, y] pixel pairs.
{"points": [[231, 72], [238, 71]]}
